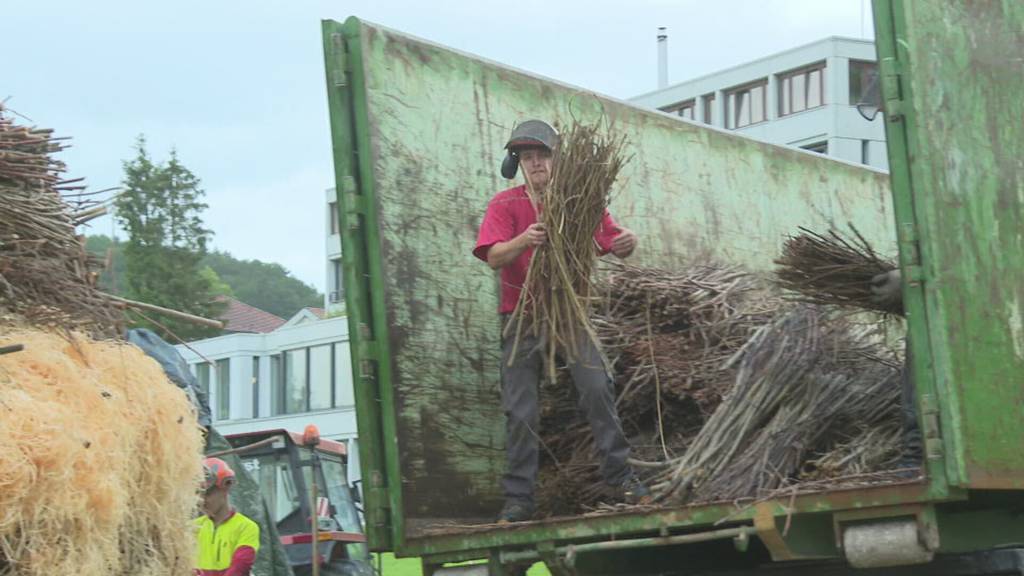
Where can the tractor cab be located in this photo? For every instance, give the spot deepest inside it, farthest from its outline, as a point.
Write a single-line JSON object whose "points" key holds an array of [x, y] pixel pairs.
{"points": [[284, 466]]}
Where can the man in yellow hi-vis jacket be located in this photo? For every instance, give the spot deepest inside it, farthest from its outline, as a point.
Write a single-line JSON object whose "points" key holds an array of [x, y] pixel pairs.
{"points": [[227, 540]]}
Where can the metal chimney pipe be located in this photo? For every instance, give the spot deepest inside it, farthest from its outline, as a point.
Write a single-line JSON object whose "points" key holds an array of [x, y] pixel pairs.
{"points": [[662, 57]]}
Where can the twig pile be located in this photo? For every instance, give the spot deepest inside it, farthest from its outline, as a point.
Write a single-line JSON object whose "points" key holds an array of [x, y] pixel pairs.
{"points": [[832, 269], [45, 273], [666, 337], [809, 388], [726, 392], [555, 301]]}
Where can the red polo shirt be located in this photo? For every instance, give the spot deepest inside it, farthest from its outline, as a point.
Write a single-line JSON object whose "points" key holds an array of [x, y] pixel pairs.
{"points": [[509, 214]]}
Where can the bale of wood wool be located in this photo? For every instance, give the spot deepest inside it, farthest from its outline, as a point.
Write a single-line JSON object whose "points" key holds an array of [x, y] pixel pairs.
{"points": [[101, 460]]}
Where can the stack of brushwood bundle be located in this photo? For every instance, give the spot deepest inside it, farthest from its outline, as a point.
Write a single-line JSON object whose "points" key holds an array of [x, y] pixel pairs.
{"points": [[45, 272], [668, 337], [727, 392], [558, 291], [831, 269], [101, 459], [815, 397]]}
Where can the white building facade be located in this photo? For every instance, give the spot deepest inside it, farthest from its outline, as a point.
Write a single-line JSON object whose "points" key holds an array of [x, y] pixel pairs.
{"points": [[804, 97], [297, 374]]}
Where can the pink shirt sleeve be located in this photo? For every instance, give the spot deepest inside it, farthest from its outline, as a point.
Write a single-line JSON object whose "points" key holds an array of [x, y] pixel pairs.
{"points": [[241, 562], [497, 226], [606, 232]]}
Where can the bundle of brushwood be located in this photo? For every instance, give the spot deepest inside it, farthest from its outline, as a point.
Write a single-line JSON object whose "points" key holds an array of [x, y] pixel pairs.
{"points": [[667, 337], [45, 272], [814, 397], [832, 269], [557, 295]]}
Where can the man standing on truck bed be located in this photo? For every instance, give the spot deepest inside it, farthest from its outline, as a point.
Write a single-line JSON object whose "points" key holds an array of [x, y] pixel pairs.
{"points": [[508, 236]]}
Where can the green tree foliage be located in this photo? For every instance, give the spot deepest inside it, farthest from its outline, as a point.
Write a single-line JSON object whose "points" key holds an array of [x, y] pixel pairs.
{"points": [[161, 211], [267, 286], [111, 252], [217, 286]]}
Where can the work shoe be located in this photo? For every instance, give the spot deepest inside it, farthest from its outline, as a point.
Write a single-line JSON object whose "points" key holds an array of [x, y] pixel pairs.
{"points": [[634, 491], [515, 511]]}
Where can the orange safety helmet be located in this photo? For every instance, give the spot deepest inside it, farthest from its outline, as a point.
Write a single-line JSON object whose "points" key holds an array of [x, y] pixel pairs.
{"points": [[218, 474]]}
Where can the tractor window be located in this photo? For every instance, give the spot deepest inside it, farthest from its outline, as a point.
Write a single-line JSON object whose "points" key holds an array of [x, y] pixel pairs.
{"points": [[340, 495], [277, 485]]}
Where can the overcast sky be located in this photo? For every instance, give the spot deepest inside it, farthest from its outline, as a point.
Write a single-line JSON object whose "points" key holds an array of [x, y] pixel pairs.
{"points": [[238, 87]]}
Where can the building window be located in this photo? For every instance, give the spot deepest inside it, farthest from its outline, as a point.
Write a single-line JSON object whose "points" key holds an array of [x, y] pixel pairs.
{"points": [[342, 376], [332, 209], [861, 74], [746, 105], [276, 385], [203, 377], [819, 147], [255, 386], [802, 89], [320, 377], [709, 108], [308, 379], [296, 392], [684, 109], [224, 389]]}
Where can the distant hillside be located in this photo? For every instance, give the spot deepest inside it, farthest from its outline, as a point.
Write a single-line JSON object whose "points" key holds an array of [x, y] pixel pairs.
{"points": [[267, 286]]}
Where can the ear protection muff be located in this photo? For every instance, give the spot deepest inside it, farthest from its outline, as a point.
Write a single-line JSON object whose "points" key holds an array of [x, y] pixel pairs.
{"points": [[510, 165]]}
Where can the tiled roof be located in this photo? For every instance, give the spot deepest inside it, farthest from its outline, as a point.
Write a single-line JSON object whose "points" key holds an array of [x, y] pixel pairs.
{"points": [[319, 312], [241, 317]]}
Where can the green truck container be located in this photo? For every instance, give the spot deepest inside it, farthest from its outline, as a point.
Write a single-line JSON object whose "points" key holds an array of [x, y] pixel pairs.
{"points": [[417, 132]]}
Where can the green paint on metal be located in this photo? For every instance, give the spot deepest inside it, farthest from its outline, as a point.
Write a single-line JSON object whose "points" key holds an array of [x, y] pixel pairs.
{"points": [[808, 535], [614, 526], [360, 257], [969, 530], [957, 160], [897, 124], [354, 257], [570, 551], [370, 227]]}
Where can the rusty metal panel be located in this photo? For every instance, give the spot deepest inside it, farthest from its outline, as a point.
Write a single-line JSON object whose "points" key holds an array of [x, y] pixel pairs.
{"points": [[954, 82], [437, 122]]}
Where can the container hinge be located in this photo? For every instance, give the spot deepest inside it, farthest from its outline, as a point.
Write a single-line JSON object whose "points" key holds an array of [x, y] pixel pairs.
{"points": [[339, 75], [892, 88], [930, 429], [379, 491], [355, 204], [348, 185], [367, 353], [910, 250]]}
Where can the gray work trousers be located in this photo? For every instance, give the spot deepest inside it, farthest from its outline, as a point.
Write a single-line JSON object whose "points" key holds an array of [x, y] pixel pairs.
{"points": [[519, 385]]}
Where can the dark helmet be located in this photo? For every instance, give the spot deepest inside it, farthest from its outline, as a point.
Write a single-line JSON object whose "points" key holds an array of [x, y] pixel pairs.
{"points": [[528, 134]]}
